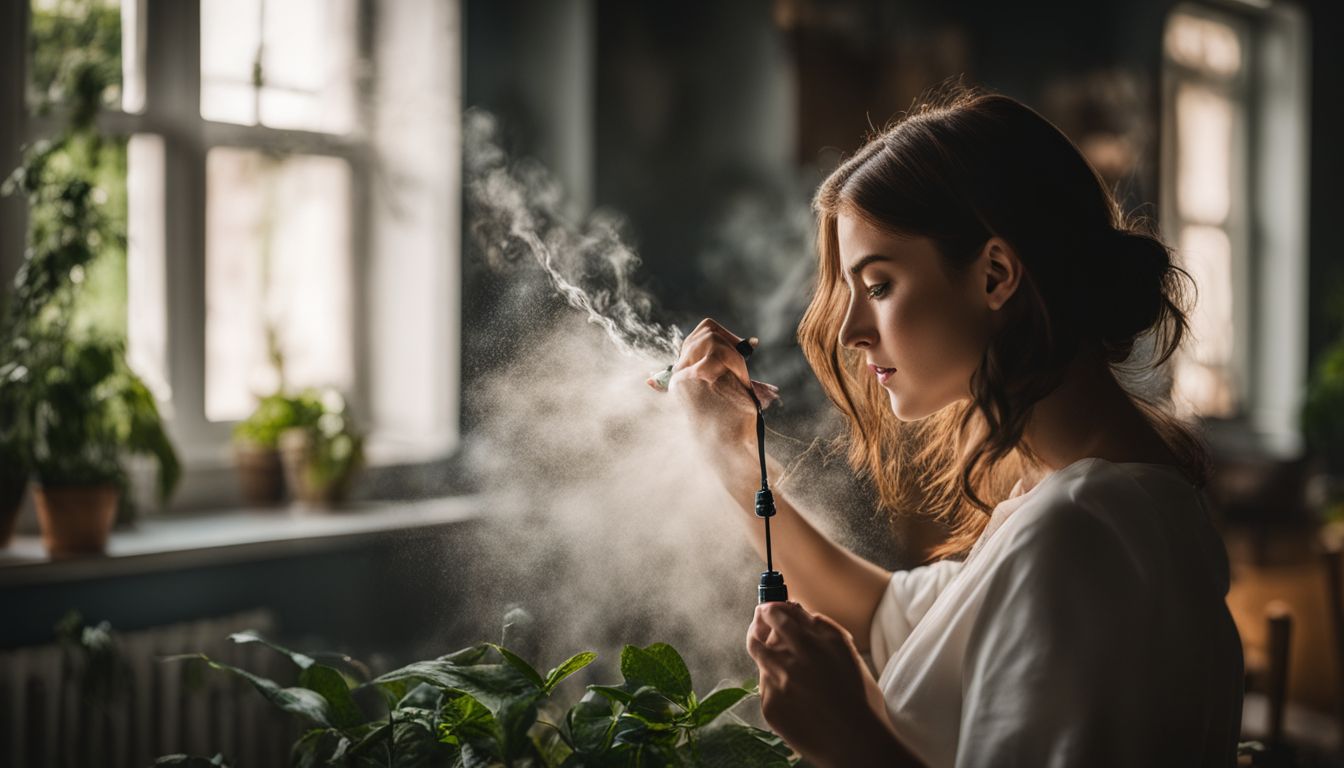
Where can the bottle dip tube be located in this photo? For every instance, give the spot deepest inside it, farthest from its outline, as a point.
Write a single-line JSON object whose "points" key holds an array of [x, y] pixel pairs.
{"points": [[771, 587]]}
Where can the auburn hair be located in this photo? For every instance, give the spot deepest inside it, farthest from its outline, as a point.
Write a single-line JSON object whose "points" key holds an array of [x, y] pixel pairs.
{"points": [[960, 167]]}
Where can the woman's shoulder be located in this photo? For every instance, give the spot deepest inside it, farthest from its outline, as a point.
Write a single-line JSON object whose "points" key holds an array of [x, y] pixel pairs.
{"points": [[1093, 496], [1095, 507]]}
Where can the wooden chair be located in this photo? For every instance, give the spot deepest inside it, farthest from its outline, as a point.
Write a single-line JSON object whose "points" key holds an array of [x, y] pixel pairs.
{"points": [[1331, 544], [1271, 677]]}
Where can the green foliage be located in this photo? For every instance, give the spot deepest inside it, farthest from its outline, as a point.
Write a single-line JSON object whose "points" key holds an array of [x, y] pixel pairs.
{"points": [[72, 408], [76, 57], [335, 445], [276, 413], [1323, 408], [485, 706]]}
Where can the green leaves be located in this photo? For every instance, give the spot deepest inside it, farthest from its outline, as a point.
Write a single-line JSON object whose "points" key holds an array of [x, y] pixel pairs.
{"points": [[565, 669], [518, 664], [302, 661], [716, 704], [740, 746], [306, 703], [331, 685], [462, 709], [660, 667], [655, 719]]}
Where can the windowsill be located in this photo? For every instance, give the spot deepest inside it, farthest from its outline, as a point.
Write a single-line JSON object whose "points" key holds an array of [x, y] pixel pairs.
{"points": [[168, 543]]}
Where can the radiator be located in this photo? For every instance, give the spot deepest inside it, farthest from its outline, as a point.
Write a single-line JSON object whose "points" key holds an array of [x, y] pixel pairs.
{"points": [[46, 720]]}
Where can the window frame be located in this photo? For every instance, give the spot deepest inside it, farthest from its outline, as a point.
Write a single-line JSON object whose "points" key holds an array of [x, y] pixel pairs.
{"points": [[1271, 279], [1239, 91], [168, 39]]}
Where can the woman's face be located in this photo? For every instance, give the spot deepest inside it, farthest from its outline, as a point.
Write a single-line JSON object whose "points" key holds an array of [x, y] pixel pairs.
{"points": [[906, 315]]}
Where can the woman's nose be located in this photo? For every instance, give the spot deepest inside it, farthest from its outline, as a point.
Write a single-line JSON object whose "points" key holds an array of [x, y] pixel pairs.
{"points": [[856, 330]]}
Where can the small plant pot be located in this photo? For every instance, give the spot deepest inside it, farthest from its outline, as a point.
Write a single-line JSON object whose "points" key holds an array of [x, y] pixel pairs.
{"points": [[303, 482], [76, 520], [11, 501], [259, 474]]}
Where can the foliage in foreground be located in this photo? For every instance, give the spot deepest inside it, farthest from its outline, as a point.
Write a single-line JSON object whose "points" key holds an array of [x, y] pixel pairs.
{"points": [[485, 706]]}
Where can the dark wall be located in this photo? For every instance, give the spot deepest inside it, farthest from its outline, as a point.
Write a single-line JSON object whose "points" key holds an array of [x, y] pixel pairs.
{"points": [[1327, 163], [396, 594]]}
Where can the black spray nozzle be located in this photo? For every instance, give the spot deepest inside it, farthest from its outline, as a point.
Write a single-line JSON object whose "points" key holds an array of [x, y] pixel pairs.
{"points": [[765, 503], [744, 347], [772, 589]]}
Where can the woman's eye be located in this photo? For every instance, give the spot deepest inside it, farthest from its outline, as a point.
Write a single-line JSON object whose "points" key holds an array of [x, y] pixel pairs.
{"points": [[877, 291]]}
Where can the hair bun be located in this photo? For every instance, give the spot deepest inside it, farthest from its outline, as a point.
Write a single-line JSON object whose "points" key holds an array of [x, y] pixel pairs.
{"points": [[1131, 293]]}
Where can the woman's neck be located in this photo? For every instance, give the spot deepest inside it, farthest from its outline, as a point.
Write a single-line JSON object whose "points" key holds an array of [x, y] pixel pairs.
{"points": [[1090, 414]]}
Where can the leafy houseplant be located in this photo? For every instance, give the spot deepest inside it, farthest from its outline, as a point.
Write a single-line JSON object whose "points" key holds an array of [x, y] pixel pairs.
{"points": [[72, 407], [256, 442], [321, 453], [484, 706]]}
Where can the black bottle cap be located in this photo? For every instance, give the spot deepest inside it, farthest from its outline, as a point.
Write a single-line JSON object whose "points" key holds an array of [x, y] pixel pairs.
{"points": [[772, 589], [765, 503]]}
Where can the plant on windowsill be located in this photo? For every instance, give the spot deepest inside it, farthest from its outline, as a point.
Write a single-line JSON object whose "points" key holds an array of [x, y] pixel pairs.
{"points": [[256, 445], [321, 458], [72, 408]]}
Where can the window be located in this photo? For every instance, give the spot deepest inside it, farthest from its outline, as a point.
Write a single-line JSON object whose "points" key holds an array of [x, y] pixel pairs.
{"points": [[277, 276], [280, 63], [1234, 123], [286, 172]]}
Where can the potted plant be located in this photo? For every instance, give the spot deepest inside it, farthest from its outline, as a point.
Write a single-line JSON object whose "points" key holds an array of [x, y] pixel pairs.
{"points": [[256, 445], [88, 411], [321, 456], [72, 407]]}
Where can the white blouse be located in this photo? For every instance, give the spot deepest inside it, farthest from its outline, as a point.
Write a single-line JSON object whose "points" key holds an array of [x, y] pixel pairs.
{"points": [[1088, 626]]}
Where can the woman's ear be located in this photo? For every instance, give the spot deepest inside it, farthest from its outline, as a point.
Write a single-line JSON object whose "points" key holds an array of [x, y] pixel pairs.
{"points": [[1002, 271]]}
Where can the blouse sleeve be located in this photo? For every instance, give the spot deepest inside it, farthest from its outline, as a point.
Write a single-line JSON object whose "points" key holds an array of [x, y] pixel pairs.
{"points": [[905, 601], [1053, 673]]}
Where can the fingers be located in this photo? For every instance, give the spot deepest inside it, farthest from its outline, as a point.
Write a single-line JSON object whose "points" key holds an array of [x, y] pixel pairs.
{"points": [[787, 620], [766, 393], [710, 330], [711, 325], [777, 637], [764, 647]]}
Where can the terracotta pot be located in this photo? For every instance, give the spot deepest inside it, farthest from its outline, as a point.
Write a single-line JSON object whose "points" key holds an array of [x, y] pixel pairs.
{"points": [[76, 520], [259, 474], [11, 500]]}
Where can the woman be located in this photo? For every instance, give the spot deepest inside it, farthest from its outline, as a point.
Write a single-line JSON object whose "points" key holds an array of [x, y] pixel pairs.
{"points": [[977, 288]]}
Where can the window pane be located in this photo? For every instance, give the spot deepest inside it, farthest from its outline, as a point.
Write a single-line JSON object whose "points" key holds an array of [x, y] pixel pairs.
{"points": [[1204, 123], [146, 265], [62, 31], [286, 64], [1204, 44], [1205, 370], [230, 42], [277, 277]]}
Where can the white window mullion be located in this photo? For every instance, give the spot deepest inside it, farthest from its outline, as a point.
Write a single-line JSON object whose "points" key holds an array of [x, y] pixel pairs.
{"points": [[172, 96]]}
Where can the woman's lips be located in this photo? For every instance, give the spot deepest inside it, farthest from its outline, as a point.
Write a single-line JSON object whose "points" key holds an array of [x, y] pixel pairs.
{"points": [[882, 373]]}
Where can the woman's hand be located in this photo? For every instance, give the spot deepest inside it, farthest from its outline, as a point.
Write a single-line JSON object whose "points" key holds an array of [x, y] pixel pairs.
{"points": [[816, 692], [710, 381]]}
